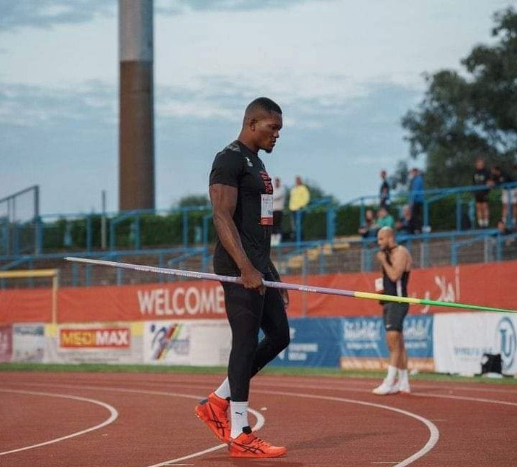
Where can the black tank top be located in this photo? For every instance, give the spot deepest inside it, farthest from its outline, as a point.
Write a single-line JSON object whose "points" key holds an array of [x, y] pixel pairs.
{"points": [[398, 288]]}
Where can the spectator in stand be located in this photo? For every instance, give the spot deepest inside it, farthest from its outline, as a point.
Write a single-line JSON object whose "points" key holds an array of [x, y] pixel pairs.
{"points": [[405, 225], [369, 228], [509, 195], [279, 195], [385, 219], [416, 198], [481, 177], [384, 195], [298, 200], [502, 228]]}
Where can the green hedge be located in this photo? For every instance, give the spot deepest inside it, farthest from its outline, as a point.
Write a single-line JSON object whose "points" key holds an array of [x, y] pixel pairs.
{"points": [[167, 230]]}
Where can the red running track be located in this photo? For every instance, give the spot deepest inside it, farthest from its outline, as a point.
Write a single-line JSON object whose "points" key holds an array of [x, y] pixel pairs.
{"points": [[144, 420]]}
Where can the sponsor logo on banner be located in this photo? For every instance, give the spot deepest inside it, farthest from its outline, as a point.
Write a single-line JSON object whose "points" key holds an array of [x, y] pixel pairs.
{"points": [[314, 342], [298, 352], [362, 334], [6, 343], [448, 290], [28, 342], [180, 301], [506, 342], [95, 338], [364, 343], [461, 339], [418, 335], [169, 338]]}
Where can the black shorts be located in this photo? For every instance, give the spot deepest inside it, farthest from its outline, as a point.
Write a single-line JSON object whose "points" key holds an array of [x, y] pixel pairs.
{"points": [[481, 196], [393, 316]]}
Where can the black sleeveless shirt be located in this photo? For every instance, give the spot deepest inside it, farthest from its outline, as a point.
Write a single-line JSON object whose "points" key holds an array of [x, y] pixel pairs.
{"points": [[398, 288]]}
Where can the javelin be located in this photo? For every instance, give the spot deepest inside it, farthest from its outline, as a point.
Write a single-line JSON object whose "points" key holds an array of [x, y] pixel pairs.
{"points": [[288, 286]]}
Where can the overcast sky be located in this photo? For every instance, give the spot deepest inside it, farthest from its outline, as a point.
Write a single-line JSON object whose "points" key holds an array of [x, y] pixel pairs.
{"points": [[343, 71]]}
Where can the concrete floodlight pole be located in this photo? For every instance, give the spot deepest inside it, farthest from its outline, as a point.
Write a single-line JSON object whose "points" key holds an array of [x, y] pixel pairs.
{"points": [[136, 133]]}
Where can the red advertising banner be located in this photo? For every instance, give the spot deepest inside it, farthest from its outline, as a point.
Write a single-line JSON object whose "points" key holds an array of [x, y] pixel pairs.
{"points": [[489, 284]]}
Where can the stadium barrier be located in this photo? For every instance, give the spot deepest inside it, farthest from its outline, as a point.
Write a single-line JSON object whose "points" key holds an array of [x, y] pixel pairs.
{"points": [[184, 323], [445, 343], [489, 284]]}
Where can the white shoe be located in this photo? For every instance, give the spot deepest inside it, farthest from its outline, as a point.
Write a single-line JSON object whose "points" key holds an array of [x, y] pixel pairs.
{"points": [[384, 389], [404, 388]]}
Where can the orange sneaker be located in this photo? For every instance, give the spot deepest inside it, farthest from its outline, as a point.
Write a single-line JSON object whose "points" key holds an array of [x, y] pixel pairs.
{"points": [[248, 445], [213, 411]]}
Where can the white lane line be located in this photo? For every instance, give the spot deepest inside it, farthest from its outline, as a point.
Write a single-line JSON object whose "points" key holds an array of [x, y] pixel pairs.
{"points": [[420, 394], [113, 416], [433, 439], [260, 418], [465, 398], [260, 423], [345, 386], [418, 384], [433, 430]]}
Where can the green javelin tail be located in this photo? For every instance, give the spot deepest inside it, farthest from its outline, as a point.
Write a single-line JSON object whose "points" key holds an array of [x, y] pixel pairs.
{"points": [[423, 301]]}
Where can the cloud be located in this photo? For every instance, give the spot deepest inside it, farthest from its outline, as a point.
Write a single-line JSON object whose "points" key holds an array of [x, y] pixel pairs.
{"points": [[35, 106], [174, 7], [65, 138], [45, 14]]}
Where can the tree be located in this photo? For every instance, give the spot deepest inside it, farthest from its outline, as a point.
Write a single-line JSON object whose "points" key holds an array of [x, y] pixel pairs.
{"points": [[469, 114], [317, 192], [193, 200]]}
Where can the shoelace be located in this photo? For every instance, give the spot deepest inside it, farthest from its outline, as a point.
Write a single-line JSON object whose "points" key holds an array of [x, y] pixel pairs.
{"points": [[260, 442]]}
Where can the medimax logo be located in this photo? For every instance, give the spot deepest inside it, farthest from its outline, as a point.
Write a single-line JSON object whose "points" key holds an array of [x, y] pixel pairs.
{"points": [[118, 338], [181, 301]]}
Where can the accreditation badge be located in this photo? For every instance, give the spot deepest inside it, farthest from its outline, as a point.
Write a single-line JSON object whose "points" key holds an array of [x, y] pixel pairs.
{"points": [[266, 210]]}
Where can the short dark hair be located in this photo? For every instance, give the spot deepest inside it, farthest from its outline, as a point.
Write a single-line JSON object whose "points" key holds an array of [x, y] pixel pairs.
{"points": [[264, 103]]}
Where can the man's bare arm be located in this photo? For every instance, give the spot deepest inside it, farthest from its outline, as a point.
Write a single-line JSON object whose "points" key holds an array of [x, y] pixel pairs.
{"points": [[399, 263], [224, 203]]}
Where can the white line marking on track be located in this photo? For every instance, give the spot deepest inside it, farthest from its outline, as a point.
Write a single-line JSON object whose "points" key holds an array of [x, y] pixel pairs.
{"points": [[260, 418], [433, 430], [465, 398], [418, 384], [260, 423], [433, 439], [113, 416]]}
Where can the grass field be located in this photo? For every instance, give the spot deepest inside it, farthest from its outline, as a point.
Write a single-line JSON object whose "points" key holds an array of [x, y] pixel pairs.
{"points": [[324, 372]]}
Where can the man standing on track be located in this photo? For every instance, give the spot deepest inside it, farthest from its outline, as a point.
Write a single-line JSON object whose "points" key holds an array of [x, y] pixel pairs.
{"points": [[396, 265], [241, 193]]}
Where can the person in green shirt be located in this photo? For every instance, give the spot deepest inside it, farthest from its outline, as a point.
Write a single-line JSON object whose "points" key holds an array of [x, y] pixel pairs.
{"points": [[385, 219]]}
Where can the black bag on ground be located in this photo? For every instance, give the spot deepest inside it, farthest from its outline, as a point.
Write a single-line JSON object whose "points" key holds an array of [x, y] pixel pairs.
{"points": [[491, 363]]}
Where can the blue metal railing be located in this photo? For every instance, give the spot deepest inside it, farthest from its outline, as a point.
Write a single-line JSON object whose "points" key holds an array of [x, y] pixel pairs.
{"points": [[431, 196], [31, 261], [11, 235], [497, 246]]}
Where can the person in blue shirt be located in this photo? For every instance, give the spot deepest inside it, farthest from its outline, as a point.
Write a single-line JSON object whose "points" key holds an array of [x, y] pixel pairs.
{"points": [[416, 198]]}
